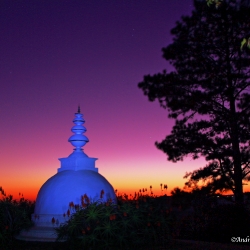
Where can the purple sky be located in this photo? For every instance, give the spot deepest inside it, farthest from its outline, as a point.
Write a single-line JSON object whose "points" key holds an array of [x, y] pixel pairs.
{"points": [[56, 54]]}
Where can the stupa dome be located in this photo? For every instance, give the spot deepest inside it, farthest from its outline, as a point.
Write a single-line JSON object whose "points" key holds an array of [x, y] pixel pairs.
{"points": [[76, 177], [69, 186]]}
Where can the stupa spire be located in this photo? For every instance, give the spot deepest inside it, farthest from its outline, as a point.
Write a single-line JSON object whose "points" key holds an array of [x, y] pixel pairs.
{"points": [[78, 160], [78, 140]]}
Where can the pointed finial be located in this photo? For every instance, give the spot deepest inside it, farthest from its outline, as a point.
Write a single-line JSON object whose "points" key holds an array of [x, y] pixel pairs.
{"points": [[79, 110], [78, 140]]}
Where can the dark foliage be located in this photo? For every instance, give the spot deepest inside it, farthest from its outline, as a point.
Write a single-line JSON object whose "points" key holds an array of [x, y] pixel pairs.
{"points": [[181, 198], [15, 215], [142, 222], [208, 94], [216, 224]]}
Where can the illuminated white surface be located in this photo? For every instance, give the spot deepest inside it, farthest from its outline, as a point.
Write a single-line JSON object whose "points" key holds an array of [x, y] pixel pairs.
{"points": [[76, 177]]}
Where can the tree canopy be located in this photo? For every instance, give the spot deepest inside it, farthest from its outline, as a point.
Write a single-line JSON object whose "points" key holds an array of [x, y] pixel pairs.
{"points": [[208, 95]]}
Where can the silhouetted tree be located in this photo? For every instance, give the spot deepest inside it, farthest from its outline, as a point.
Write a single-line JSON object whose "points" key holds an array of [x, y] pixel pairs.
{"points": [[245, 43], [181, 198], [207, 94]]}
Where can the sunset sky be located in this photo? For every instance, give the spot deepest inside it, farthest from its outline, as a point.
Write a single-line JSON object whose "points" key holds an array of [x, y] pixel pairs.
{"points": [[58, 54]]}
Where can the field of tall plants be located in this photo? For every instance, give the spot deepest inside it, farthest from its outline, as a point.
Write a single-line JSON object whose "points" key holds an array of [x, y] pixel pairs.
{"points": [[142, 221], [130, 222]]}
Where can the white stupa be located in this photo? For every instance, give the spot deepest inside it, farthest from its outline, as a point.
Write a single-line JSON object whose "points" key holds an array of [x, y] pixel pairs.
{"points": [[76, 177]]}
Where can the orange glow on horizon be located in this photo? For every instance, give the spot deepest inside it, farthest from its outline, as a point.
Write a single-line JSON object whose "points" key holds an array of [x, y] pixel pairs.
{"points": [[31, 193]]}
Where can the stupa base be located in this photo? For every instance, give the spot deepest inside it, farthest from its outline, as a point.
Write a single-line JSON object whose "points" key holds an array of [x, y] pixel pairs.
{"points": [[45, 234]]}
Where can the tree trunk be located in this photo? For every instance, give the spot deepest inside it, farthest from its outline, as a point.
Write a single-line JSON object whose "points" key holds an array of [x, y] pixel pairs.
{"points": [[236, 153], [233, 120], [237, 175]]}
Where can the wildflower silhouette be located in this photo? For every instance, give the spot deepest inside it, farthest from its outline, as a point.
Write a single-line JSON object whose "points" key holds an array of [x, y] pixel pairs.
{"points": [[137, 220]]}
